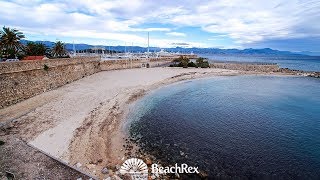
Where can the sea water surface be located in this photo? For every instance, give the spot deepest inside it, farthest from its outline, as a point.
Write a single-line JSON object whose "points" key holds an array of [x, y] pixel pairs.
{"points": [[297, 62], [241, 126]]}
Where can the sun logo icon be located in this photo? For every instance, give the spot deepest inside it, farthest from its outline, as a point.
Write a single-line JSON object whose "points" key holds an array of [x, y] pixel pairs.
{"points": [[134, 166]]}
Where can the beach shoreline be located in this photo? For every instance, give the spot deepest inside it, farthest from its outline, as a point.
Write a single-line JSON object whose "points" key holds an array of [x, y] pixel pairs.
{"points": [[81, 123], [122, 147]]}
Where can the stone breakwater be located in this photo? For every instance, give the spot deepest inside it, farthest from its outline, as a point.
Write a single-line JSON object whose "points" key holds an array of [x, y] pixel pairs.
{"points": [[299, 72], [262, 67], [258, 67], [25, 79]]}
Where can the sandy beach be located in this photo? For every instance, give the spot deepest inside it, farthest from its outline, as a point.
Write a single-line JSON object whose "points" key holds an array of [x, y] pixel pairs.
{"points": [[81, 123]]}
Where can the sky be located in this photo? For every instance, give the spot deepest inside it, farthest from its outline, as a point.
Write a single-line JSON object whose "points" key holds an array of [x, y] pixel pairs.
{"points": [[292, 25]]}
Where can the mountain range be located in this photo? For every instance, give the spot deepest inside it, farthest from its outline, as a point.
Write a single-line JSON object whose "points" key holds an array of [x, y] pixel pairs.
{"points": [[135, 49]]}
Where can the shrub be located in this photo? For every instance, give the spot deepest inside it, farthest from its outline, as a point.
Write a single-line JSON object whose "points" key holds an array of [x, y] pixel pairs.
{"points": [[205, 64], [45, 67], [180, 62], [202, 62], [192, 64]]}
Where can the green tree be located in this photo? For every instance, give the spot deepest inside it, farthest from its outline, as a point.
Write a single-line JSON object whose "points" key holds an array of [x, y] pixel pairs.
{"points": [[35, 49], [182, 62], [176, 61], [202, 62], [10, 44], [192, 64], [59, 49]]}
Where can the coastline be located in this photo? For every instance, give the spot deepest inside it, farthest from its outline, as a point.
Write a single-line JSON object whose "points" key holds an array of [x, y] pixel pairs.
{"points": [[94, 139], [171, 120], [120, 146]]}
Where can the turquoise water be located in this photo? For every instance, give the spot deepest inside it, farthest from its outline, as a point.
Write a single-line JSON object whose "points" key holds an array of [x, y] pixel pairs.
{"points": [[241, 126], [297, 62]]}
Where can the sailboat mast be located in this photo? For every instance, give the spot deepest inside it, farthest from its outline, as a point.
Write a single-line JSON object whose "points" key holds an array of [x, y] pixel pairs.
{"points": [[148, 44], [74, 49]]}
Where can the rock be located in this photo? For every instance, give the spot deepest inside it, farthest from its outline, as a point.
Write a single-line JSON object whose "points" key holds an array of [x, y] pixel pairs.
{"points": [[177, 175], [111, 172], [104, 170], [148, 161], [8, 126], [79, 178], [117, 177], [181, 153], [14, 121], [100, 160], [9, 175], [93, 162], [2, 142], [91, 166], [203, 174], [117, 166], [78, 165]]}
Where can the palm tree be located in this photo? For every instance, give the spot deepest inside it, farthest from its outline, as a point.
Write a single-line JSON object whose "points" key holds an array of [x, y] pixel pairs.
{"points": [[58, 49], [10, 43], [35, 49]]}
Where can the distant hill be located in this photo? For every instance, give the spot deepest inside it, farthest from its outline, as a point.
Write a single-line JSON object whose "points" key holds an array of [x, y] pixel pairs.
{"points": [[265, 51], [310, 53]]}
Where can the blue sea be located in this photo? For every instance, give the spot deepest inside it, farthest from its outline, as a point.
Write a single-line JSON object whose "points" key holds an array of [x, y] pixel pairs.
{"points": [[246, 127], [297, 62]]}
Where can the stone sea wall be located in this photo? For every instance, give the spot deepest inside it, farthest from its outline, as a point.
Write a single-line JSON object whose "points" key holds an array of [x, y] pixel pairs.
{"points": [[24, 79], [31, 65], [246, 66], [133, 63]]}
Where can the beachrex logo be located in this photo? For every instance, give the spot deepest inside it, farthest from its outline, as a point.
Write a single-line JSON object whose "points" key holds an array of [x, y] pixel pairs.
{"points": [[139, 170], [183, 168], [135, 167]]}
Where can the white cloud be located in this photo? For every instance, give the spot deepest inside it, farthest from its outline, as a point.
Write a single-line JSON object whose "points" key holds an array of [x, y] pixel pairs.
{"points": [[148, 29], [125, 20], [179, 34], [255, 21]]}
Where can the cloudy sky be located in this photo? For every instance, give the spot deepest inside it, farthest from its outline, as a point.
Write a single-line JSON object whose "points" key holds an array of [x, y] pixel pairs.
{"points": [[280, 24]]}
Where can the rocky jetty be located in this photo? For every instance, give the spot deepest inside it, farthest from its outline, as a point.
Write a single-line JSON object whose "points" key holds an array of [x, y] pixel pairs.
{"points": [[300, 72], [262, 67]]}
